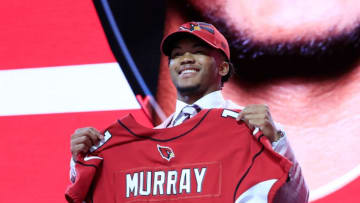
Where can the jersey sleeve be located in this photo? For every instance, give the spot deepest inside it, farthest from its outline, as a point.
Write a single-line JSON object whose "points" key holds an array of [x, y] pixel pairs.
{"points": [[86, 167], [85, 170], [267, 172]]}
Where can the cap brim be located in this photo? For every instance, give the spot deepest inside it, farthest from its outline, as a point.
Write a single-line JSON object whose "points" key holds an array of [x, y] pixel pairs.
{"points": [[168, 43]]}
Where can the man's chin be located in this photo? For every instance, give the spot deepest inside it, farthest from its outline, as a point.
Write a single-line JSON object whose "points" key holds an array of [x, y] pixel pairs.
{"points": [[255, 60], [187, 89]]}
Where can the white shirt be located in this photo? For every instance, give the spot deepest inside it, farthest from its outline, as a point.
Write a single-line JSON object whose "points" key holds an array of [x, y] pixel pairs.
{"points": [[209, 101]]}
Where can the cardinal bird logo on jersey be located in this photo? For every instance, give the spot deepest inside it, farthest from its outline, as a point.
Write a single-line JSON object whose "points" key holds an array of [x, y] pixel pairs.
{"points": [[166, 152]]}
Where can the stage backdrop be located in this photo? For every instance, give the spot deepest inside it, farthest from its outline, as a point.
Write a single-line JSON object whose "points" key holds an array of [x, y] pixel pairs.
{"points": [[58, 73]]}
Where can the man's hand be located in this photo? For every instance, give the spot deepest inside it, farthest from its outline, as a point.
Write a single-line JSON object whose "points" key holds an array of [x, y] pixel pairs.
{"points": [[258, 115], [83, 139]]}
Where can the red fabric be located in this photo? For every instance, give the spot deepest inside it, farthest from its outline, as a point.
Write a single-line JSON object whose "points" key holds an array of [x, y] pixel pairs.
{"points": [[198, 143], [145, 104], [43, 33], [35, 148], [207, 32], [36, 151]]}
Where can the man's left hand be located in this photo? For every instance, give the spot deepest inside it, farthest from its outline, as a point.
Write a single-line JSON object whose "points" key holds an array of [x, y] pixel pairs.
{"points": [[258, 115]]}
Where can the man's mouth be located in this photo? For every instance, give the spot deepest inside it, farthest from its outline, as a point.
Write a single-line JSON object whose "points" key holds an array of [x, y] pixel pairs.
{"points": [[188, 71]]}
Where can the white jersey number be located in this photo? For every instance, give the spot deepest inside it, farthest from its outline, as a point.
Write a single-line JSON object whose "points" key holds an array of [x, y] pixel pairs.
{"points": [[227, 112], [101, 143]]}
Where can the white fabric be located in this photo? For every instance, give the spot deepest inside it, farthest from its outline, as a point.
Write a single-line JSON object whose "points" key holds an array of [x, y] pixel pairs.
{"points": [[209, 101], [257, 193], [187, 112], [72, 170]]}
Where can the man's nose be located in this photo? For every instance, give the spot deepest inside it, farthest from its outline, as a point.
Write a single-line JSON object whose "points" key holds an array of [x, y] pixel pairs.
{"points": [[187, 58]]}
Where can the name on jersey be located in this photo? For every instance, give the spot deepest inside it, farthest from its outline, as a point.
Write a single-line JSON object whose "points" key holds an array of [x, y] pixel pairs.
{"points": [[160, 182], [177, 182]]}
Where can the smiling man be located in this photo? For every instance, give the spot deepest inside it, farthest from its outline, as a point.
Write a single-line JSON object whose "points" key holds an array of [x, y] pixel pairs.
{"points": [[199, 64], [195, 69], [299, 57]]}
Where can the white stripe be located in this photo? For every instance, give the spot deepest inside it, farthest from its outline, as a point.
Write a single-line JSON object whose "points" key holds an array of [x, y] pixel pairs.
{"points": [[335, 185], [78, 88], [257, 193], [87, 158]]}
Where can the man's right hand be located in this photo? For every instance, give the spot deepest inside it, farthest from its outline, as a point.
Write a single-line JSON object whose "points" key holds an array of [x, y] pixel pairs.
{"points": [[83, 139]]}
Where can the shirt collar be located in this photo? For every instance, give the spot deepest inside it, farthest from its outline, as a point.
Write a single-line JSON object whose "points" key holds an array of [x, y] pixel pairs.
{"points": [[209, 101]]}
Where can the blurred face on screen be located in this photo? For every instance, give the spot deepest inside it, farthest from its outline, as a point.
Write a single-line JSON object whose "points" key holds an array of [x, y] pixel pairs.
{"points": [[301, 57], [298, 37]]}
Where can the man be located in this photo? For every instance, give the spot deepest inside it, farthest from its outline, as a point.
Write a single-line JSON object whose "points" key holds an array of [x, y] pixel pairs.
{"points": [[301, 58], [199, 64]]}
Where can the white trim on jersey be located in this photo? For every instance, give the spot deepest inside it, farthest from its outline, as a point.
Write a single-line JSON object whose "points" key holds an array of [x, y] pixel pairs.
{"points": [[257, 193]]}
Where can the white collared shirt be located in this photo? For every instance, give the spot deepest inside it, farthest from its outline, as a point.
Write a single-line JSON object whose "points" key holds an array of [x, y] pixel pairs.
{"points": [[209, 101], [216, 100]]}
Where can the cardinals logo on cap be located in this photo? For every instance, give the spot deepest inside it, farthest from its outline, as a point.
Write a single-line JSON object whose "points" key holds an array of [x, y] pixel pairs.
{"points": [[198, 26], [166, 152]]}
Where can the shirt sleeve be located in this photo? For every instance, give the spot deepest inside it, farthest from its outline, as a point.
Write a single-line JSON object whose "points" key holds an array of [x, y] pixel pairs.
{"points": [[295, 190], [85, 169], [72, 170]]}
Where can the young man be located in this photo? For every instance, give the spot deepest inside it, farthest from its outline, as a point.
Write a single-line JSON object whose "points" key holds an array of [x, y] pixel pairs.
{"points": [[199, 64]]}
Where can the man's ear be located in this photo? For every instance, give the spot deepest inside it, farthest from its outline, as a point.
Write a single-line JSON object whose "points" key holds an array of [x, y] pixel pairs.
{"points": [[224, 68]]}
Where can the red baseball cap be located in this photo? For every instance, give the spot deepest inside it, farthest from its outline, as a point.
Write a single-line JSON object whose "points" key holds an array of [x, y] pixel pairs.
{"points": [[204, 31]]}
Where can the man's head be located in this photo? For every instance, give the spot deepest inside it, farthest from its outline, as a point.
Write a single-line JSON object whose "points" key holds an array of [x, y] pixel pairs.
{"points": [[199, 58], [281, 38], [203, 31]]}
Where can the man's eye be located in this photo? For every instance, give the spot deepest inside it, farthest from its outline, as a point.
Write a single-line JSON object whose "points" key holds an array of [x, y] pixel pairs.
{"points": [[175, 55], [199, 52]]}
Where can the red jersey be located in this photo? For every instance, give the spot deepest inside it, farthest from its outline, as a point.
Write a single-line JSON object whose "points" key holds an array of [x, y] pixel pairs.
{"points": [[208, 158]]}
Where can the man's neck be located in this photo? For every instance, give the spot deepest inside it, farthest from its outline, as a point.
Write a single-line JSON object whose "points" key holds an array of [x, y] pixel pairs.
{"points": [[189, 99], [192, 97], [293, 96]]}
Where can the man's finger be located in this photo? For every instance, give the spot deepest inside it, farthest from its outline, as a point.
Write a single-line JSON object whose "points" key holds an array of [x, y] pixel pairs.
{"points": [[85, 131], [93, 135], [80, 148], [81, 140], [257, 122], [255, 108], [85, 140], [97, 133], [250, 126], [253, 116], [239, 117]]}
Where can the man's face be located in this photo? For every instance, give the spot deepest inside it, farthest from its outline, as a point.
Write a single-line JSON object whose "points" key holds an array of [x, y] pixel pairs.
{"points": [[194, 67], [284, 20], [312, 37]]}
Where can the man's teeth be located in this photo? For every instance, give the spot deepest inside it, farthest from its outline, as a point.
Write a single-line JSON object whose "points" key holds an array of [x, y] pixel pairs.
{"points": [[188, 71]]}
